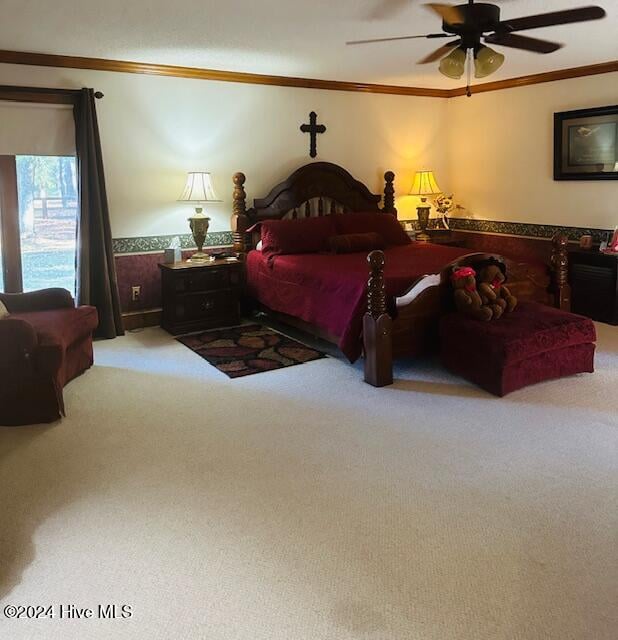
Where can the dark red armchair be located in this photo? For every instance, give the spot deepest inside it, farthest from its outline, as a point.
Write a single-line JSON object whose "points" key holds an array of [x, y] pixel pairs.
{"points": [[45, 342]]}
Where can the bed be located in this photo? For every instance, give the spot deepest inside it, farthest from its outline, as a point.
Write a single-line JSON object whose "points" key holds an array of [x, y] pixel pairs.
{"points": [[330, 291], [390, 314]]}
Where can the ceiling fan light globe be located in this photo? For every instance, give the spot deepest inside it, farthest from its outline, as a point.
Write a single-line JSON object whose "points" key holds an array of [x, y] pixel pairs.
{"points": [[454, 64], [486, 61]]}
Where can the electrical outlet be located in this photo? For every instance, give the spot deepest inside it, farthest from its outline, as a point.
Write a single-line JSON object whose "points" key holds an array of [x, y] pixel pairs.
{"points": [[136, 292]]}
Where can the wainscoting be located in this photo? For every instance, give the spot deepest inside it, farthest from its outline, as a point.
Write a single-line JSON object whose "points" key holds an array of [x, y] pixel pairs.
{"points": [[137, 259]]}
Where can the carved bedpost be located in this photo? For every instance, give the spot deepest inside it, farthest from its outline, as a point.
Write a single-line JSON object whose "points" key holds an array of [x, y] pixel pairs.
{"points": [[560, 272], [377, 326], [239, 221], [389, 193]]}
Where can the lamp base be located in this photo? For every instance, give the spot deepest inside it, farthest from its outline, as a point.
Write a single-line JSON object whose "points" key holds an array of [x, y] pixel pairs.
{"points": [[199, 229], [200, 256], [423, 222]]}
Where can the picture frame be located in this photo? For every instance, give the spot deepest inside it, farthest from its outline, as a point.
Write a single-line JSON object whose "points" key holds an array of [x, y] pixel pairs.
{"points": [[586, 144]]}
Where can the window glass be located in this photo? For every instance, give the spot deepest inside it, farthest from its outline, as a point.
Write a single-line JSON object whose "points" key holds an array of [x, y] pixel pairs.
{"points": [[47, 194]]}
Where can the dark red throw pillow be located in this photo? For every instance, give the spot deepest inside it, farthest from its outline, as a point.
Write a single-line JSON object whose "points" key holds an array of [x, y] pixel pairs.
{"points": [[305, 235], [385, 224], [355, 242]]}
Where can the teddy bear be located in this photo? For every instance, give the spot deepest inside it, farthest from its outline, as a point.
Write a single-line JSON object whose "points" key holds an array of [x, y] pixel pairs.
{"points": [[492, 290], [466, 296]]}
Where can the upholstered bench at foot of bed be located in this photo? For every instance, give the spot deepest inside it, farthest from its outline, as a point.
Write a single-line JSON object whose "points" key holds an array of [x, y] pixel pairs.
{"points": [[530, 345]]}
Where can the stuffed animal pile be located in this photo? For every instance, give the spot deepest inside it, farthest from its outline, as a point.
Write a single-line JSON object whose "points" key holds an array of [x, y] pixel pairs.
{"points": [[482, 295]]}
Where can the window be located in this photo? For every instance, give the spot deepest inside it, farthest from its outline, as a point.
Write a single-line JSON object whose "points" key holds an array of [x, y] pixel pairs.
{"points": [[38, 191], [43, 238]]}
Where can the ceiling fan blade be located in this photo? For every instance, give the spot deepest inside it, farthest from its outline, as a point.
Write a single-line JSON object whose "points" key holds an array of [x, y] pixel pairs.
{"points": [[515, 41], [440, 52], [448, 13], [554, 18], [431, 35]]}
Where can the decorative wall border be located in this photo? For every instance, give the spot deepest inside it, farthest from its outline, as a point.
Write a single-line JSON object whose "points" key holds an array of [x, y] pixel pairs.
{"points": [[525, 229], [152, 244], [156, 244]]}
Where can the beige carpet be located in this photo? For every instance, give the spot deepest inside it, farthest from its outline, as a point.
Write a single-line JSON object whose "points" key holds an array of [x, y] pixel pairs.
{"points": [[301, 504]]}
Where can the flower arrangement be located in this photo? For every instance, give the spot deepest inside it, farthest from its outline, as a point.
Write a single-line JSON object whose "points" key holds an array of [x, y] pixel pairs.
{"points": [[444, 205]]}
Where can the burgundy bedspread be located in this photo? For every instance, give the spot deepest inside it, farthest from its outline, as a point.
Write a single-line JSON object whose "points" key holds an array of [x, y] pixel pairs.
{"points": [[330, 291]]}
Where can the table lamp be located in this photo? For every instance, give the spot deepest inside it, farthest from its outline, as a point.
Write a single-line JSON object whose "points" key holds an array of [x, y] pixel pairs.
{"points": [[424, 185], [199, 191]]}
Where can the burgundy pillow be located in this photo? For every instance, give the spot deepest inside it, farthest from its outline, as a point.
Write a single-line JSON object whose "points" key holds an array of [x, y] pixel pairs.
{"points": [[385, 224], [354, 242], [305, 235]]}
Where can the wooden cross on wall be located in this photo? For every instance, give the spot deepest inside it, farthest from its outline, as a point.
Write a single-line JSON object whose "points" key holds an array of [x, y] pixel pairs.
{"points": [[313, 129]]}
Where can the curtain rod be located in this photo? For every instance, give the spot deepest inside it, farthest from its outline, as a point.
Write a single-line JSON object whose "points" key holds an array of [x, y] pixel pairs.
{"points": [[41, 94]]}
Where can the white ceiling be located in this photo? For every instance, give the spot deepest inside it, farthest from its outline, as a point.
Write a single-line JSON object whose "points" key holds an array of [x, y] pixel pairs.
{"points": [[285, 37]]}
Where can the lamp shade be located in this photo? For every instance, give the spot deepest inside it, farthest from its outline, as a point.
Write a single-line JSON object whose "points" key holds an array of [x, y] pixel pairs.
{"points": [[486, 61], [424, 184], [454, 64], [198, 188]]}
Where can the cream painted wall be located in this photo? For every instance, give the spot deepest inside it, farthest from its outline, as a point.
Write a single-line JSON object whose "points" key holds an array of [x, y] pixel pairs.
{"points": [[501, 155], [494, 150], [154, 129]]}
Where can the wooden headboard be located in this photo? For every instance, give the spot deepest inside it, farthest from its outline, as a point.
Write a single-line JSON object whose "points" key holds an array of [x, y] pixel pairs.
{"points": [[318, 188]]}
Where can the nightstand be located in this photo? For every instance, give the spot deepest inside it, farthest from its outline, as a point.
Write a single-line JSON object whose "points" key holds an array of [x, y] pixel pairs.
{"points": [[200, 295], [593, 277]]}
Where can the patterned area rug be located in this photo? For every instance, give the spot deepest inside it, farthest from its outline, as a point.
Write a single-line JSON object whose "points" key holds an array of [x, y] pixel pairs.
{"points": [[248, 349]]}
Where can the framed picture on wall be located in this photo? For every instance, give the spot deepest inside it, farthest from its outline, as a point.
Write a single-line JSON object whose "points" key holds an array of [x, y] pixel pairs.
{"points": [[586, 144]]}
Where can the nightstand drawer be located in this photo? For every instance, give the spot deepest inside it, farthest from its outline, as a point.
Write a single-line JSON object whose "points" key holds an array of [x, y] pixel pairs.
{"points": [[214, 304], [206, 280]]}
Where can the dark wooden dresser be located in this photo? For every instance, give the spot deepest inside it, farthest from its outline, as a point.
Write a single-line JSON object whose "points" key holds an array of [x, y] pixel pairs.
{"points": [[594, 284], [200, 295]]}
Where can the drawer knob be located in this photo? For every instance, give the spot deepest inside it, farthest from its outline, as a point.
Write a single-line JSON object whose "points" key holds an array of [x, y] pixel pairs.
{"points": [[207, 304]]}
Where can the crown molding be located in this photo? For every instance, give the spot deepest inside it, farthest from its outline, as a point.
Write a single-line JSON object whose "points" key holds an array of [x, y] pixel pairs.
{"points": [[146, 68], [538, 78], [121, 66]]}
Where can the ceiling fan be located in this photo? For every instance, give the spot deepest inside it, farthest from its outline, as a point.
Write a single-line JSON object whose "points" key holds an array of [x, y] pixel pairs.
{"points": [[473, 22]]}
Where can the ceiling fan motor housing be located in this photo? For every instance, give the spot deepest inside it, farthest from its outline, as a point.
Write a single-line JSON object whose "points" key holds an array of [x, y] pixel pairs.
{"points": [[477, 19]]}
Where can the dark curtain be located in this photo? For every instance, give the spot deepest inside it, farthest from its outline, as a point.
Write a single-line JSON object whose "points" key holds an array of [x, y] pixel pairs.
{"points": [[96, 271]]}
